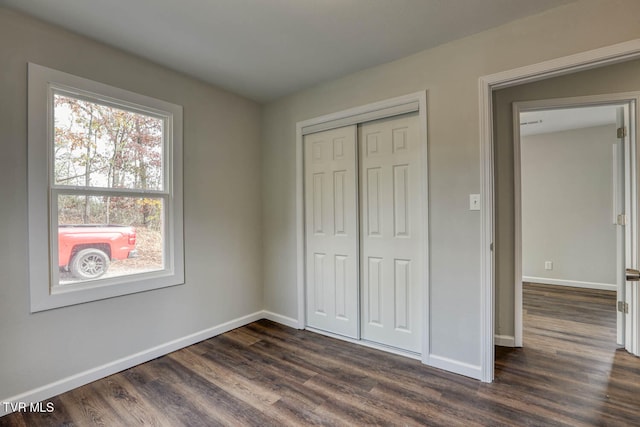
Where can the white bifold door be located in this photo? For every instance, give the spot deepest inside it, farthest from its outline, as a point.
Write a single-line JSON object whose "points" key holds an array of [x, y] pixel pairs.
{"points": [[363, 228]]}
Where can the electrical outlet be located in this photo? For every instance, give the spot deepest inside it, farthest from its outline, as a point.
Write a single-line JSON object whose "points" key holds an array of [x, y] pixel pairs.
{"points": [[548, 265]]}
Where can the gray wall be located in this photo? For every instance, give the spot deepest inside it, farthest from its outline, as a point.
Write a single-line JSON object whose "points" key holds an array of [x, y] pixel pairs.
{"points": [[623, 77], [567, 193], [222, 216], [450, 75]]}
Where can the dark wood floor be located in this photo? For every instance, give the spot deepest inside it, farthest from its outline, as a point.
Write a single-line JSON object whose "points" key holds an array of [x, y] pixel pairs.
{"points": [[569, 373]]}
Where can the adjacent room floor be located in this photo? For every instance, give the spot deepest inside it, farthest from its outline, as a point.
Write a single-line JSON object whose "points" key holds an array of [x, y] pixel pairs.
{"points": [[569, 373]]}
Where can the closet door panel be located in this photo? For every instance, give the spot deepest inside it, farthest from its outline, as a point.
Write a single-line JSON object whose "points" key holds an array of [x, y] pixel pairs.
{"points": [[390, 247], [331, 231]]}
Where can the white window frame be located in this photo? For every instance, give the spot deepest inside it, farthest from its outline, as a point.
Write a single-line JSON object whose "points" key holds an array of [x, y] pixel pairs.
{"points": [[45, 293]]}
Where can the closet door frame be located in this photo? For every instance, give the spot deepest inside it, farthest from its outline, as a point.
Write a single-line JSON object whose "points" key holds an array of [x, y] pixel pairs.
{"points": [[414, 102]]}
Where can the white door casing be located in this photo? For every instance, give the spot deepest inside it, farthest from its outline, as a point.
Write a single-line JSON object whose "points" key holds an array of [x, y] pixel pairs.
{"points": [[331, 231], [389, 152]]}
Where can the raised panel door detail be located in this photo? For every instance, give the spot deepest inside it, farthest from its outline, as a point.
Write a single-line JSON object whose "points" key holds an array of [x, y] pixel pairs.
{"points": [[339, 202], [341, 283], [319, 275], [375, 291], [317, 149], [372, 145], [399, 139], [402, 294], [318, 205], [373, 201], [338, 148], [401, 200]]}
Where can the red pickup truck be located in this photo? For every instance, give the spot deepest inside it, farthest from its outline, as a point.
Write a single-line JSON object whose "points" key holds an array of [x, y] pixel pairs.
{"points": [[86, 250]]}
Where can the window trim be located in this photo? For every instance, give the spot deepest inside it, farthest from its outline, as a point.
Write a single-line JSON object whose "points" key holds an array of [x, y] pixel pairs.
{"points": [[45, 294]]}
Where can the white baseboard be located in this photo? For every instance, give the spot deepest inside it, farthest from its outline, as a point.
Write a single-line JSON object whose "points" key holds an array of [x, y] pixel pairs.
{"points": [[574, 283], [504, 340], [58, 387], [283, 320], [455, 366], [48, 391]]}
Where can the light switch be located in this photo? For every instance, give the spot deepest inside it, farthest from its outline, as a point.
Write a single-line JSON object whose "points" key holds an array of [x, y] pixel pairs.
{"points": [[474, 202]]}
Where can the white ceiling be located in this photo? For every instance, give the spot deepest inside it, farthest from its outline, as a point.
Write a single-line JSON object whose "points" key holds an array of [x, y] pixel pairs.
{"points": [[265, 49], [556, 120]]}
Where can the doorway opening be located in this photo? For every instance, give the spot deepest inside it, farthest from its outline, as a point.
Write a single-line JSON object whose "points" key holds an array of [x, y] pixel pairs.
{"points": [[573, 201]]}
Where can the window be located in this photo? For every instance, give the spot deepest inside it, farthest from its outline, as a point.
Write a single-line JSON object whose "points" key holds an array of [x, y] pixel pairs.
{"points": [[105, 191]]}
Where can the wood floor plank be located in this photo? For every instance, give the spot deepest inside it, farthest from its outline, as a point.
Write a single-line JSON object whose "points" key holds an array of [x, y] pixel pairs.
{"points": [[124, 398], [244, 391], [226, 379], [414, 404], [570, 373], [84, 403], [211, 399], [167, 398]]}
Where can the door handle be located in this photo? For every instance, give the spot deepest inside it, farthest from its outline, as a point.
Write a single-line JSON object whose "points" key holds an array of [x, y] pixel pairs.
{"points": [[633, 275]]}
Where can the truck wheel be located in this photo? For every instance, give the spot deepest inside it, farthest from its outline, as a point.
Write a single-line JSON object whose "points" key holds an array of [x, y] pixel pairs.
{"points": [[89, 264]]}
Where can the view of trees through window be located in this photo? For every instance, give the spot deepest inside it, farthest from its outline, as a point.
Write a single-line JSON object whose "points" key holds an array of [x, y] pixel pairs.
{"points": [[107, 164]]}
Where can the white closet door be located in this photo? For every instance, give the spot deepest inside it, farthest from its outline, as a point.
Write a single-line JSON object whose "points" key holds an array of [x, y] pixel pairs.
{"points": [[390, 228], [331, 231]]}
